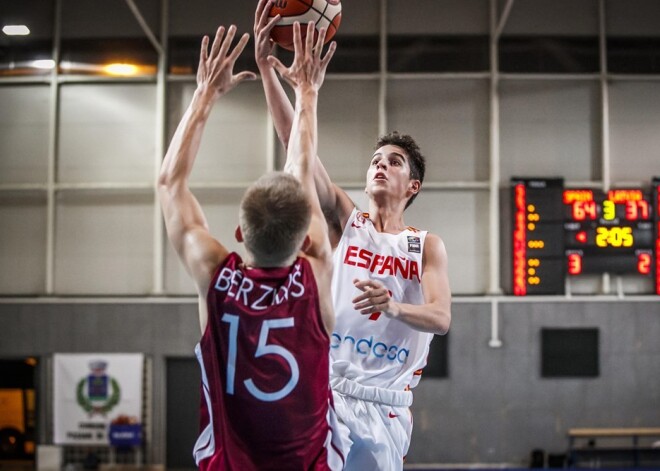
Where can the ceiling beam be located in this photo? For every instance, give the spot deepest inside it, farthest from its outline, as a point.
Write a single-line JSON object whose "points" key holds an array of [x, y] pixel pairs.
{"points": [[503, 19], [145, 27]]}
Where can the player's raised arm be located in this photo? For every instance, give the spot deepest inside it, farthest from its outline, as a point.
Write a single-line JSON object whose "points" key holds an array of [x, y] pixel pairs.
{"points": [[279, 105], [186, 225], [333, 199], [306, 75]]}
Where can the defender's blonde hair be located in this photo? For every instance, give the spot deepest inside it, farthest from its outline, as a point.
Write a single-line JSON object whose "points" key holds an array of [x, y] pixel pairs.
{"points": [[274, 218]]}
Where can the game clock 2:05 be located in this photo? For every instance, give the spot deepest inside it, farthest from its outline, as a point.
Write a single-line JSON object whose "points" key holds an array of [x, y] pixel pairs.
{"points": [[614, 236], [559, 232]]}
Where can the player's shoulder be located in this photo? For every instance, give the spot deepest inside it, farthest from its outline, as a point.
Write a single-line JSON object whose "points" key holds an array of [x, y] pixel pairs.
{"points": [[433, 238], [306, 262], [434, 248], [319, 266]]}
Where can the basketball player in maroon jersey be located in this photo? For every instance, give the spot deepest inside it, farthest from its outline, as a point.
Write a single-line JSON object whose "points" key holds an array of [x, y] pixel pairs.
{"points": [[265, 321], [390, 288]]}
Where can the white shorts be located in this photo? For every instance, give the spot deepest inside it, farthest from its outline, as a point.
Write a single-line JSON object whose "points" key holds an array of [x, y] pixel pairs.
{"points": [[378, 424]]}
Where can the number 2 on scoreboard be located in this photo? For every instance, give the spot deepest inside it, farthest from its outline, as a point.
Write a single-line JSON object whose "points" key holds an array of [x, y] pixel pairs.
{"points": [[644, 263]]}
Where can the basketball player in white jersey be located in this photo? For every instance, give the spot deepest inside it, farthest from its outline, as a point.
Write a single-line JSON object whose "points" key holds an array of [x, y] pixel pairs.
{"points": [[390, 286]]}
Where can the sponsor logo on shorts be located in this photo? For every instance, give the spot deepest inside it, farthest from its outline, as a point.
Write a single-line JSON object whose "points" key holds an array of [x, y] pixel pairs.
{"points": [[371, 347]]}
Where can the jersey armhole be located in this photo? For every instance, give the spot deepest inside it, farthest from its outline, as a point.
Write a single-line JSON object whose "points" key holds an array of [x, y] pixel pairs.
{"points": [[230, 257], [316, 297], [349, 221]]}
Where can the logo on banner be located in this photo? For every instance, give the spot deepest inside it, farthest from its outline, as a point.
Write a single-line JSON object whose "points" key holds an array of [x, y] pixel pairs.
{"points": [[98, 393]]}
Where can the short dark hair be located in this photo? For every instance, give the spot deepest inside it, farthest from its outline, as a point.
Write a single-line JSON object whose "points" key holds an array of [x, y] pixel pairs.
{"points": [[416, 160], [274, 217]]}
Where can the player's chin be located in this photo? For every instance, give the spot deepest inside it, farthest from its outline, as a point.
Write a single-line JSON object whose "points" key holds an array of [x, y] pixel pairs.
{"points": [[377, 187]]}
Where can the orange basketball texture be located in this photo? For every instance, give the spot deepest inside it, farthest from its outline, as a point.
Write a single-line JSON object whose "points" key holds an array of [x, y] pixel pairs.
{"points": [[324, 13]]}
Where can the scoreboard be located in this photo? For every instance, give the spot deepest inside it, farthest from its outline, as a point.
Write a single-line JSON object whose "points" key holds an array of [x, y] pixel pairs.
{"points": [[559, 232]]}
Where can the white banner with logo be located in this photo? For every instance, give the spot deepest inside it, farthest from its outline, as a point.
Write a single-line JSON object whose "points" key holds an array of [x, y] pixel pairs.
{"points": [[93, 391]]}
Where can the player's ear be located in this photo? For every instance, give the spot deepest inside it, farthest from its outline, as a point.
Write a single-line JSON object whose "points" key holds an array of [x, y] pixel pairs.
{"points": [[307, 243], [238, 234], [414, 186]]}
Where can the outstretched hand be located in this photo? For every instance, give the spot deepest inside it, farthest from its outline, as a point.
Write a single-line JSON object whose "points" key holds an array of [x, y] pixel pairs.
{"points": [[263, 25], [308, 67], [215, 73]]}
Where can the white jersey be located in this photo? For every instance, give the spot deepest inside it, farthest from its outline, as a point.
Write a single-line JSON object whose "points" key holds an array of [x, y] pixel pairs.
{"points": [[374, 350]]}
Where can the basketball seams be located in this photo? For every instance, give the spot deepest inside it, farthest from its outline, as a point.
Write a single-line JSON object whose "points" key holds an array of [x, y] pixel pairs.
{"points": [[311, 6], [320, 12], [288, 21], [309, 15], [323, 14]]}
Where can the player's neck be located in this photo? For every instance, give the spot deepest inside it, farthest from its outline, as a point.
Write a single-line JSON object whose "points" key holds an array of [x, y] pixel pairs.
{"points": [[253, 262], [387, 218]]}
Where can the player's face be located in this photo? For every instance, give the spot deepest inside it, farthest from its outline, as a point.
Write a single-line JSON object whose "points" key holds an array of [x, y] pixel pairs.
{"points": [[389, 172]]}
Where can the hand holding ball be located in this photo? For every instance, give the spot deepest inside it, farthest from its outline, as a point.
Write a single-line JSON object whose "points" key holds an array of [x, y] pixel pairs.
{"points": [[324, 14]]}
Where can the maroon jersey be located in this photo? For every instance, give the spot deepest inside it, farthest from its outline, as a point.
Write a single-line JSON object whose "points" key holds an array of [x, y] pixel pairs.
{"points": [[266, 400]]}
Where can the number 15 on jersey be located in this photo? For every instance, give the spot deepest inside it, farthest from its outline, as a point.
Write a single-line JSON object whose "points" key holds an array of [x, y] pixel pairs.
{"points": [[263, 348]]}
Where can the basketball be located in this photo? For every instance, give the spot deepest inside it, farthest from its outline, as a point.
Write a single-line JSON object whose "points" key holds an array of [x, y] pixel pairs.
{"points": [[324, 13]]}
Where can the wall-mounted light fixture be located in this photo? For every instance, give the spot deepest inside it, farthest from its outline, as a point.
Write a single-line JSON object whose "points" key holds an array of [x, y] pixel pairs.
{"points": [[16, 30]]}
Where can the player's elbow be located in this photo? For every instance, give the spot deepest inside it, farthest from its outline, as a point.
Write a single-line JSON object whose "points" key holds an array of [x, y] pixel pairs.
{"points": [[443, 321], [169, 189], [169, 181], [164, 188], [444, 327], [165, 178]]}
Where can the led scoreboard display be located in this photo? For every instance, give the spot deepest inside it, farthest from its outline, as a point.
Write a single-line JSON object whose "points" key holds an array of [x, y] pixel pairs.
{"points": [[539, 265], [559, 232], [609, 232]]}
